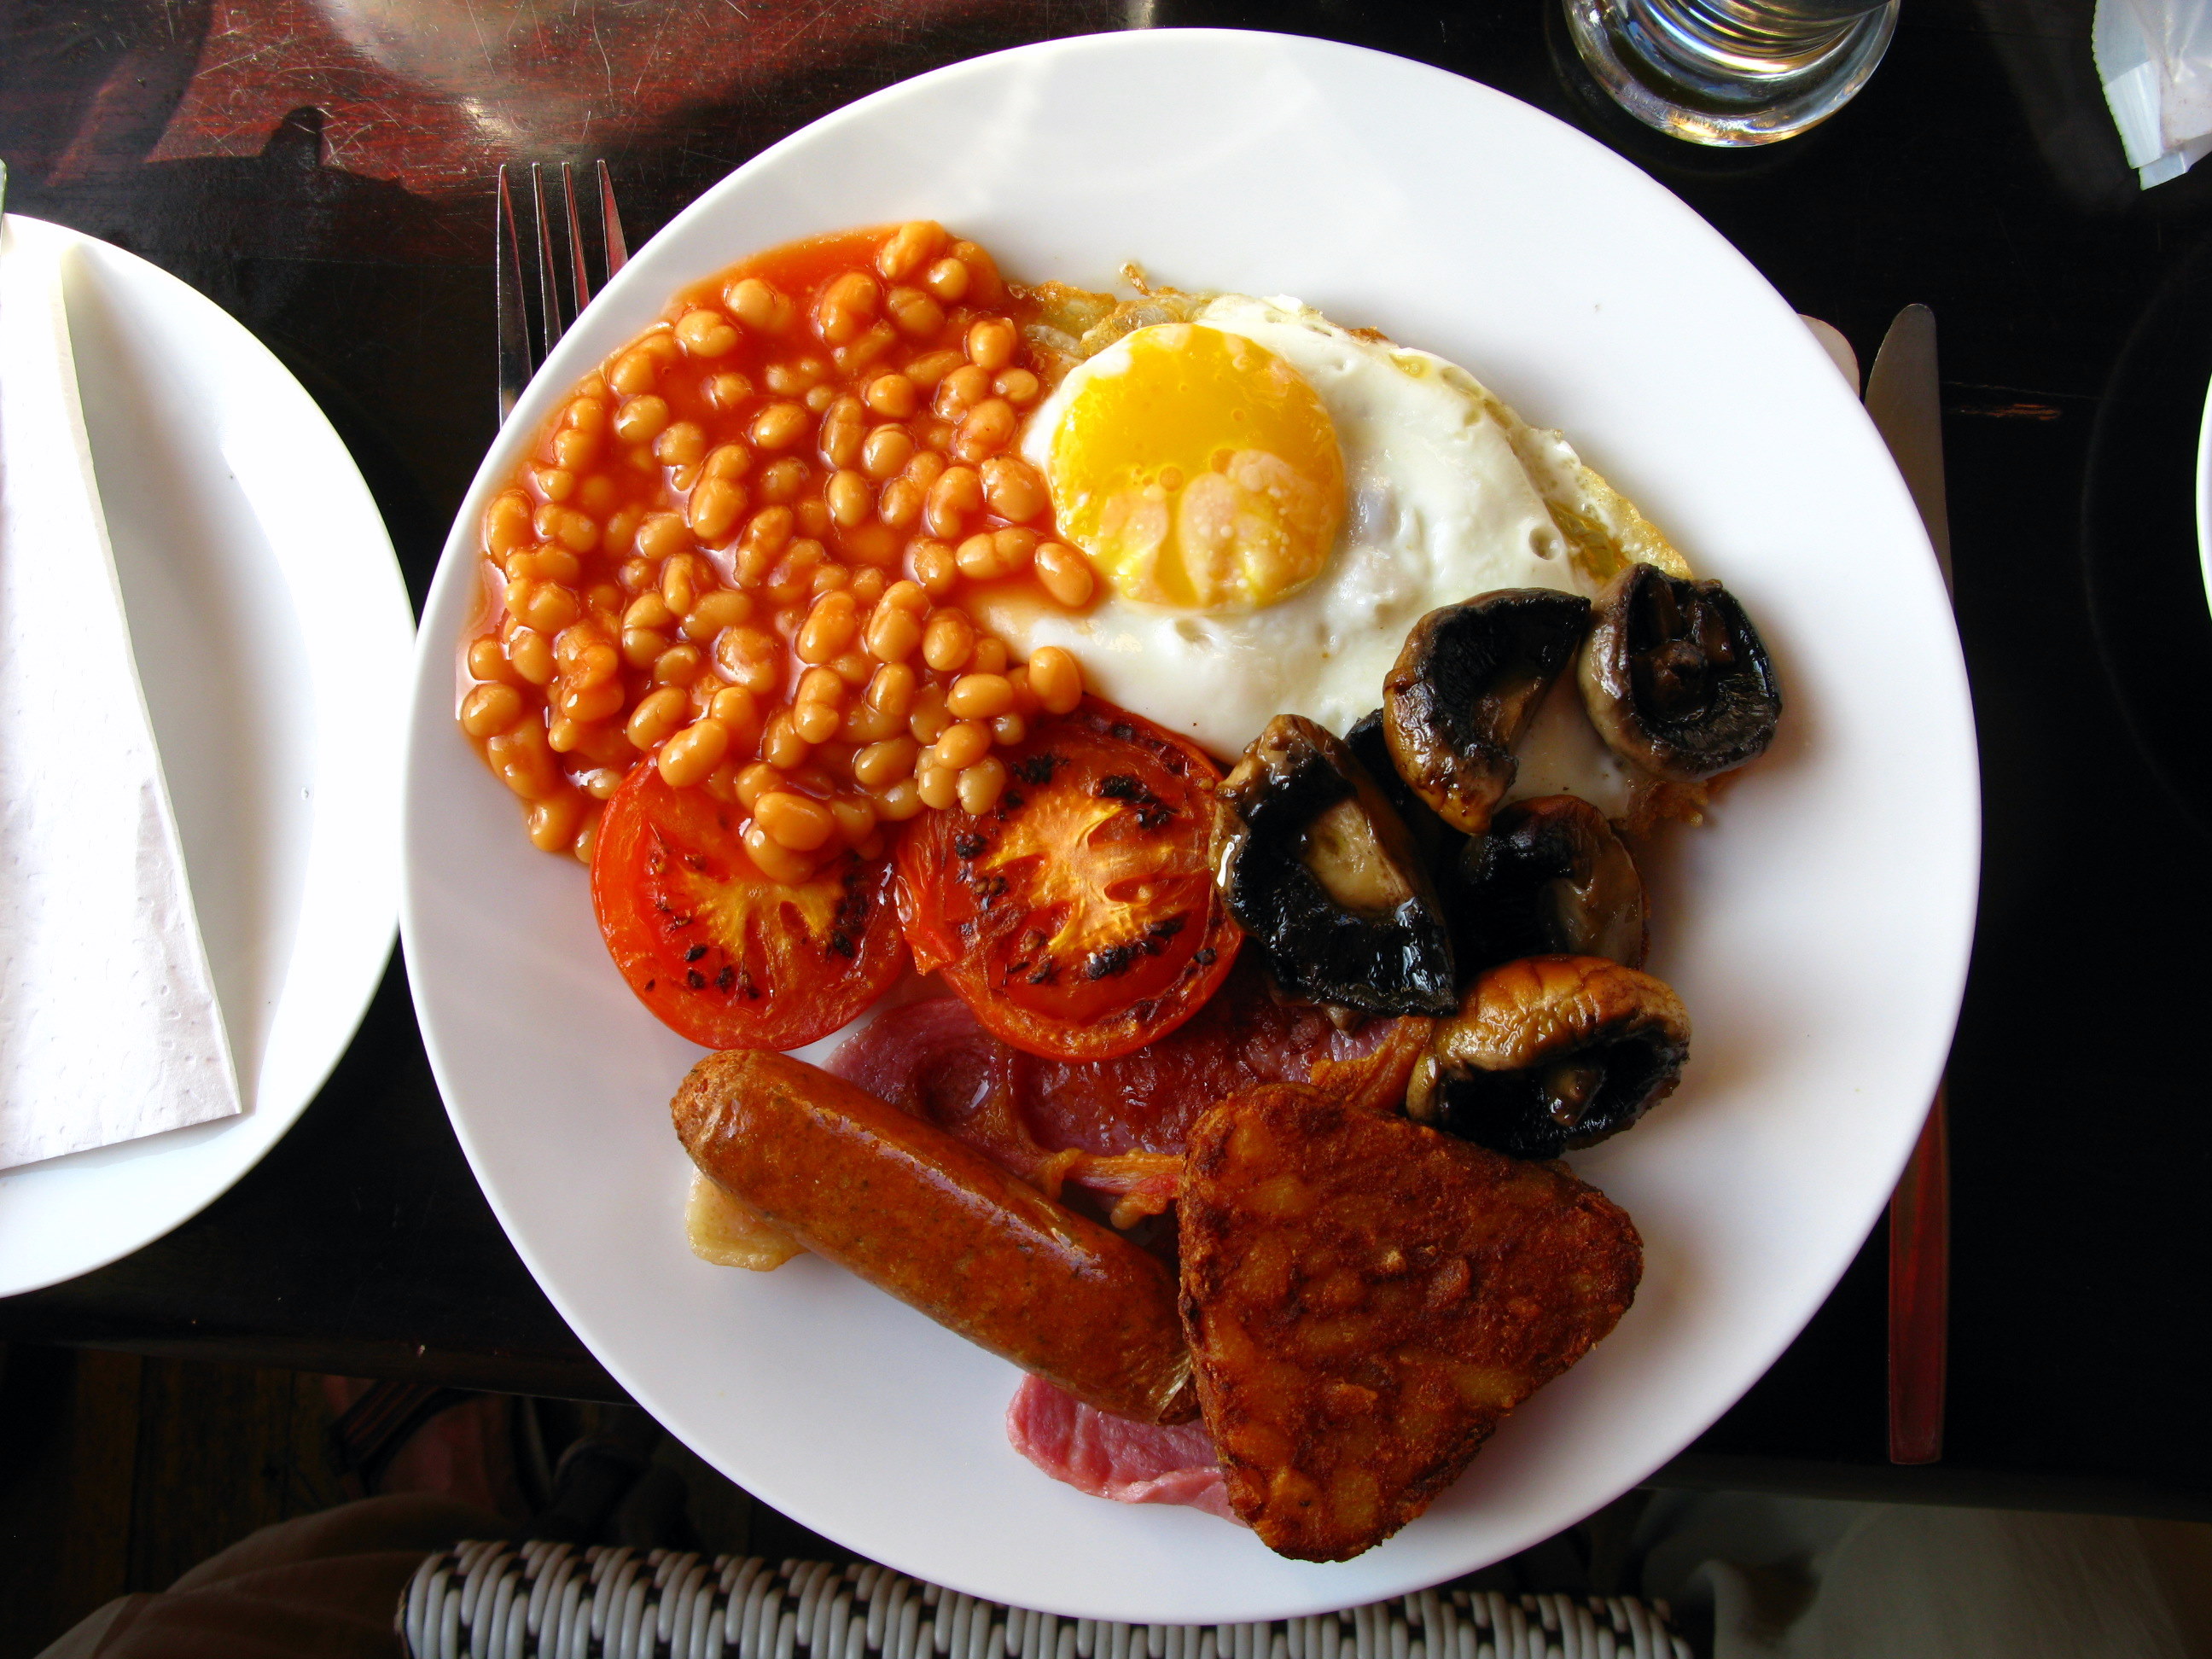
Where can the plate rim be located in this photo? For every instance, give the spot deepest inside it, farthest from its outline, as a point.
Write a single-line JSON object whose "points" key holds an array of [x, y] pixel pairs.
{"points": [[249, 1136], [533, 411]]}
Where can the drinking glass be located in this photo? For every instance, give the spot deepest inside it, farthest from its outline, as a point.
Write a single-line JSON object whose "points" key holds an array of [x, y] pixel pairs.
{"points": [[1731, 71]]}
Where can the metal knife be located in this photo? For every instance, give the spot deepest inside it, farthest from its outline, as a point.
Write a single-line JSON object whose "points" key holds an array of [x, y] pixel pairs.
{"points": [[1902, 397]]}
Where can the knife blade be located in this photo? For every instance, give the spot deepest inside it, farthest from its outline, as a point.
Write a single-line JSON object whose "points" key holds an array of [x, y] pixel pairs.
{"points": [[1902, 397]]}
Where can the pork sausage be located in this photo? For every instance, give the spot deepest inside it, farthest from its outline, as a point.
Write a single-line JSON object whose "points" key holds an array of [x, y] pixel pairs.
{"points": [[936, 1224]]}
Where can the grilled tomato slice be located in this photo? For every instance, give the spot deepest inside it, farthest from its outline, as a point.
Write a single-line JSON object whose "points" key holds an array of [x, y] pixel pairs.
{"points": [[1078, 917], [722, 954]]}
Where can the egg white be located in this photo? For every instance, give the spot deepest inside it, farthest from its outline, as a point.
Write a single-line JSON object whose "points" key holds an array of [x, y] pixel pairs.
{"points": [[1438, 508]]}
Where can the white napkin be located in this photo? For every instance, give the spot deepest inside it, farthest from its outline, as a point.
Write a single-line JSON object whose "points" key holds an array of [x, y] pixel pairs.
{"points": [[2154, 58], [109, 1026]]}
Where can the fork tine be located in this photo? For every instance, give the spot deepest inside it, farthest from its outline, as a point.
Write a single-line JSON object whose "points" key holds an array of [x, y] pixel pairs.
{"points": [[579, 279], [514, 321], [549, 286], [611, 224]]}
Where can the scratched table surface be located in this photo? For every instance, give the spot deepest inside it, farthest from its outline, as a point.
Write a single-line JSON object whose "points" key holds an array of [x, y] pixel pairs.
{"points": [[322, 168]]}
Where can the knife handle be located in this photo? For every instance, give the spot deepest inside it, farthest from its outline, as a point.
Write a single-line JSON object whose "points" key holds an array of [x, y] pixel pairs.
{"points": [[1920, 1294]]}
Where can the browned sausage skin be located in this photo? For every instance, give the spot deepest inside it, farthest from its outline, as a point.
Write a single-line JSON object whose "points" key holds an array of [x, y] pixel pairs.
{"points": [[938, 1225]]}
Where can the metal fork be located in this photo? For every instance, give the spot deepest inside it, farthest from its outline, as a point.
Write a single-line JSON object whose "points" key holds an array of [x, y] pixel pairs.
{"points": [[519, 304]]}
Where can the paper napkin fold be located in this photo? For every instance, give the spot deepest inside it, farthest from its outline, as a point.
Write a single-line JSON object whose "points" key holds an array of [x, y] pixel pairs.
{"points": [[2154, 58], [109, 1025]]}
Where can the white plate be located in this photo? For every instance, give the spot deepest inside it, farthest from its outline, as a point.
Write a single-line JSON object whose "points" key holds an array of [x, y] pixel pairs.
{"points": [[2204, 496], [1833, 894], [274, 640]]}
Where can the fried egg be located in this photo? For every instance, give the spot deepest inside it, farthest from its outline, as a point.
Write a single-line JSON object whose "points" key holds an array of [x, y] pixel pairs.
{"points": [[1269, 502]]}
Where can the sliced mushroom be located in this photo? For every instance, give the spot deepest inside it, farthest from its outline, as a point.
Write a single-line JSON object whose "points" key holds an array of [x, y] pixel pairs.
{"points": [[1464, 690], [1319, 870], [1436, 841], [1675, 677], [1551, 1052], [1551, 879]]}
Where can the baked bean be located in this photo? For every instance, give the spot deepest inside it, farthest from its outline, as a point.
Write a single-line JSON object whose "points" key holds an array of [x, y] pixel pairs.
{"points": [[679, 666], [780, 426], [829, 626], [996, 553], [981, 784], [928, 371], [885, 451], [554, 483], [550, 564], [947, 279], [658, 717], [855, 356], [816, 722], [781, 481], [960, 392], [985, 430], [865, 725], [546, 607], [574, 531], [680, 581], [846, 306], [891, 689], [1012, 486], [585, 413], [900, 502], [849, 497], [775, 861], [488, 710], [984, 287], [524, 760], [844, 425], [1008, 728], [636, 575], [587, 835], [716, 506], [750, 658], [820, 685], [725, 607], [980, 696], [798, 823], [728, 389], [781, 744], [813, 515], [1056, 678], [892, 633], [640, 419], [990, 342], [793, 379], [1016, 385], [563, 734], [927, 720], [957, 494], [740, 710], [531, 653], [989, 656], [819, 399], [828, 576], [634, 372], [755, 781], [948, 640], [622, 530], [935, 565], [600, 782], [662, 535], [758, 306], [908, 248], [1065, 573], [689, 755], [898, 802], [706, 333], [961, 744], [582, 656], [488, 662], [587, 704], [649, 610], [868, 586], [793, 578], [553, 821], [916, 312], [642, 646], [882, 764], [683, 443], [893, 395], [937, 786], [507, 521], [856, 816]]}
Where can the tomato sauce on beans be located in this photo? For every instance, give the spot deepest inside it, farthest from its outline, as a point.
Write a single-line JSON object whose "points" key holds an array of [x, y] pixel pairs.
{"points": [[740, 548]]}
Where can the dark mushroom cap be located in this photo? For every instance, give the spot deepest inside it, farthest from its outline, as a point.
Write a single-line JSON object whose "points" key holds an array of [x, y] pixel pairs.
{"points": [[1465, 688], [1436, 841], [1551, 879], [1320, 873], [1675, 677], [1550, 1054]]}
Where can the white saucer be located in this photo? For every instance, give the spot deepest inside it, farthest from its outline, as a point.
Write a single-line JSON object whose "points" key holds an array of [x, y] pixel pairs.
{"points": [[274, 639]]}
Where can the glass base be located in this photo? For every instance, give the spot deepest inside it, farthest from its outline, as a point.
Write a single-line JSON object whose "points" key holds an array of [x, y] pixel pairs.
{"points": [[1732, 99]]}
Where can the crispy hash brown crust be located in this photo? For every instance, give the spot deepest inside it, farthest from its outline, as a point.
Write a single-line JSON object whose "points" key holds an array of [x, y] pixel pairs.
{"points": [[1366, 1299]]}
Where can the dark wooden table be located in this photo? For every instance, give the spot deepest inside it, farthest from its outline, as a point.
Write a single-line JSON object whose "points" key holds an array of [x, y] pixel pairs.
{"points": [[323, 171]]}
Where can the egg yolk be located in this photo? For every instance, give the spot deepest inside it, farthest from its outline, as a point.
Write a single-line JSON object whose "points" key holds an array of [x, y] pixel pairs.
{"points": [[1204, 474]]}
